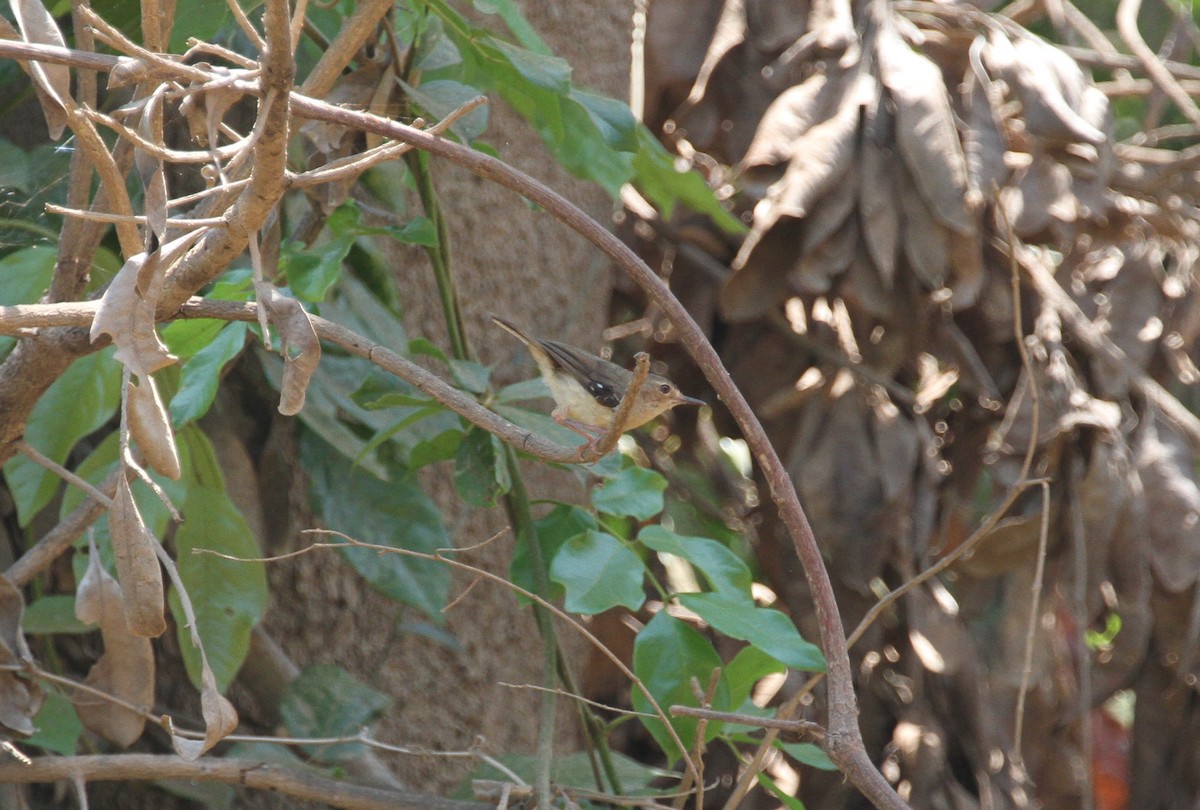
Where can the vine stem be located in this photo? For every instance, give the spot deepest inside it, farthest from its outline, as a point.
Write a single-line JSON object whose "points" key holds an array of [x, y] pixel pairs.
{"points": [[844, 743]]}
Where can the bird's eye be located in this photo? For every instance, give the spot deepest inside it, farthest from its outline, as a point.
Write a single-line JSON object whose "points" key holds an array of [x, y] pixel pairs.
{"points": [[664, 388]]}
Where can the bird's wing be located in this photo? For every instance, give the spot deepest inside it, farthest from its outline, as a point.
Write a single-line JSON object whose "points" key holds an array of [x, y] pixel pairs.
{"points": [[601, 379]]}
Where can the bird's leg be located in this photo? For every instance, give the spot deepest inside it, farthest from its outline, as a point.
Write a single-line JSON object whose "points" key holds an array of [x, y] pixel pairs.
{"points": [[589, 432]]}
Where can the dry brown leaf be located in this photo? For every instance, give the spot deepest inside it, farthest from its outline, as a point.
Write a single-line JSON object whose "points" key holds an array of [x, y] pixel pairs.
{"points": [[1167, 468], [150, 168], [127, 308], [53, 82], [877, 195], [925, 130], [863, 287], [816, 270], [983, 144], [830, 216], [150, 427], [127, 315], [137, 565], [790, 115], [897, 450], [1047, 82], [761, 282], [926, 242], [730, 32], [301, 348], [220, 719], [966, 269], [1042, 194], [125, 670], [821, 158], [20, 698], [834, 466]]}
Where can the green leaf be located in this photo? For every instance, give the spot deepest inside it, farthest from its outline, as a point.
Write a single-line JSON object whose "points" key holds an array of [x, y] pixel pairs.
{"points": [[397, 514], [516, 22], [58, 726], [76, 404], [14, 174], [102, 461], [724, 570], [635, 492], [524, 390], [52, 614], [790, 802], [667, 654], [439, 98], [808, 754], [326, 701], [442, 447], [200, 375], [562, 523], [26, 273], [228, 596], [312, 270], [656, 176], [746, 669], [480, 469], [598, 572], [769, 630], [470, 375]]}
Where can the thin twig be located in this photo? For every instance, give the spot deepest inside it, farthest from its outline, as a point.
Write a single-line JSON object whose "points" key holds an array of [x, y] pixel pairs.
{"points": [[36, 456], [1031, 627], [801, 728], [488, 575], [1127, 25]]}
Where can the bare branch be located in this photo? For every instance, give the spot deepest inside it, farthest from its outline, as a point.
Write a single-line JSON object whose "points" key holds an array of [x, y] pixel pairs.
{"points": [[294, 782]]}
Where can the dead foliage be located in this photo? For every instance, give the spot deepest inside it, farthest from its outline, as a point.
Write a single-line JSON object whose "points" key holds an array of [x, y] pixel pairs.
{"points": [[879, 153]]}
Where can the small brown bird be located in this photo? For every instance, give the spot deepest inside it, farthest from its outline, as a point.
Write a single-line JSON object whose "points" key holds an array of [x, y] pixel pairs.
{"points": [[587, 389]]}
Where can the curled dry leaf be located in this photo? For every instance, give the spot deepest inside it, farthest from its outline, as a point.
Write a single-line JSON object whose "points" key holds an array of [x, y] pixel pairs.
{"points": [[301, 349], [137, 565], [127, 308], [820, 159], [792, 114], [925, 130], [125, 670], [150, 168], [220, 719], [151, 427], [1048, 84], [53, 82], [20, 698]]}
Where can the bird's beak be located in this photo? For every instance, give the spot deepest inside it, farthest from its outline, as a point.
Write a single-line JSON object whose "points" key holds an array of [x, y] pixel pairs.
{"points": [[690, 401]]}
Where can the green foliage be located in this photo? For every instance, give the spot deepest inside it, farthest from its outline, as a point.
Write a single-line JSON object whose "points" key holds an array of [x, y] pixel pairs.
{"points": [[594, 137], [229, 596], [667, 655], [326, 701], [394, 513], [52, 614], [58, 727], [598, 572], [79, 402]]}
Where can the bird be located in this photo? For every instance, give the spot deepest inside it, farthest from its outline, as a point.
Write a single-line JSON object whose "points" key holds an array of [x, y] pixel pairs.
{"points": [[587, 389]]}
